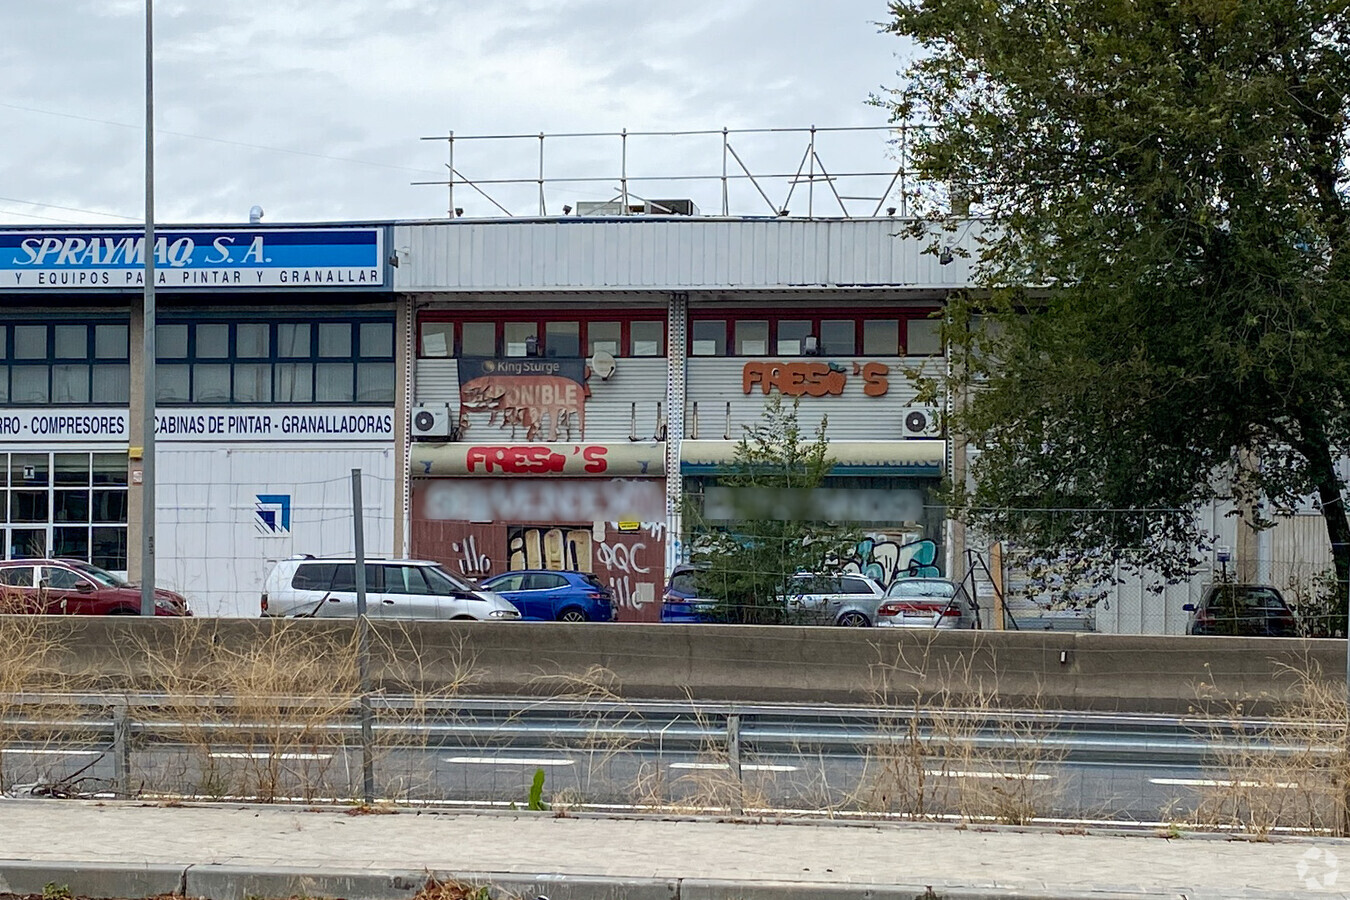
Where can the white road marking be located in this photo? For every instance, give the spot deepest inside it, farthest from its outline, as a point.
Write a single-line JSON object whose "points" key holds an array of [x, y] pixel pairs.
{"points": [[748, 767], [1223, 782], [507, 761], [51, 752], [1006, 776], [233, 755]]}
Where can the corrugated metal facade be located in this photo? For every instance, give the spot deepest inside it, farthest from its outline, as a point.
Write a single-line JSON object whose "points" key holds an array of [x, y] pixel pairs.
{"points": [[210, 545], [656, 254], [723, 406], [629, 406]]}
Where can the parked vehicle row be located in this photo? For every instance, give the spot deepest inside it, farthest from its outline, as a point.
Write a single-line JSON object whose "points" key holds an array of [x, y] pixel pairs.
{"points": [[73, 587], [422, 589], [847, 600]]}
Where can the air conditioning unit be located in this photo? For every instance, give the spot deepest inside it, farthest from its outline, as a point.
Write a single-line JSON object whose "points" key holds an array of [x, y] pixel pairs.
{"points": [[432, 422], [922, 422]]}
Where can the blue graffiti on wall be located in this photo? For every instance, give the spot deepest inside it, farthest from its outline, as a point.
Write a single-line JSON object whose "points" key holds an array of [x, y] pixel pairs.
{"points": [[886, 561]]}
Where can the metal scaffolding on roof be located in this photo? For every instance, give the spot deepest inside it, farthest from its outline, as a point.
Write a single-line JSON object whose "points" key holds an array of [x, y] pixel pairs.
{"points": [[754, 171]]}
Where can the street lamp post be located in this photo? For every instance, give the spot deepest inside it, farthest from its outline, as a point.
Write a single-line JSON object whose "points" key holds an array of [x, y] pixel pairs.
{"points": [[148, 330]]}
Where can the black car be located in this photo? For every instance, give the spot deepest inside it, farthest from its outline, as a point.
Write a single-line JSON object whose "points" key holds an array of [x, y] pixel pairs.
{"points": [[1245, 610]]}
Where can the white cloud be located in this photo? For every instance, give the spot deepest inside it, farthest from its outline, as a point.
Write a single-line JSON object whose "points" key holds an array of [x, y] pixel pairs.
{"points": [[314, 108]]}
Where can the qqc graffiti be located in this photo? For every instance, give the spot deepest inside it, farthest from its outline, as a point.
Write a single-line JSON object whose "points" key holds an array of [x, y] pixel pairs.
{"points": [[471, 561]]}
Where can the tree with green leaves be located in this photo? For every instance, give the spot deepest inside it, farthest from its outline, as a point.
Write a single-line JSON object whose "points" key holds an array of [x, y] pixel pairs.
{"points": [[1169, 262], [753, 529]]}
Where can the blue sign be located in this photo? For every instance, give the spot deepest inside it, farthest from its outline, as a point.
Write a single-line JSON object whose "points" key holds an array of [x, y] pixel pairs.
{"points": [[226, 258], [273, 513]]}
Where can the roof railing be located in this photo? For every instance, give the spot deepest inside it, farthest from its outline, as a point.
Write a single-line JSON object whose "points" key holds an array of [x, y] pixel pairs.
{"points": [[632, 186]]}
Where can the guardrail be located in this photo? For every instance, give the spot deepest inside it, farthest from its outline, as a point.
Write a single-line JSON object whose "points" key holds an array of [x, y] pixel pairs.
{"points": [[125, 725]]}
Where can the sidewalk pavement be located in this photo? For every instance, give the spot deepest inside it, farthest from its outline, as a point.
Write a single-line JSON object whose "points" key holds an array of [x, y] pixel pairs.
{"points": [[233, 852]]}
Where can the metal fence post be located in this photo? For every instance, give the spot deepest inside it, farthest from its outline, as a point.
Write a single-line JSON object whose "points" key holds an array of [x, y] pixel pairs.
{"points": [[363, 645], [121, 750], [734, 762]]}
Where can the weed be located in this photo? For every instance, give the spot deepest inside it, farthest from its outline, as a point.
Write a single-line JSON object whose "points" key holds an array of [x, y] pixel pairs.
{"points": [[537, 791]]}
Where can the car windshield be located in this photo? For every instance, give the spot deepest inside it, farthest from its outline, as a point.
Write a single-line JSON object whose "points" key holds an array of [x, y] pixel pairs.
{"points": [[460, 584], [905, 588], [103, 577], [590, 579]]}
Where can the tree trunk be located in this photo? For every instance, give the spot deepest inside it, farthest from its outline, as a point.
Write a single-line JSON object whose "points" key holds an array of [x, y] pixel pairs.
{"points": [[1322, 468]]}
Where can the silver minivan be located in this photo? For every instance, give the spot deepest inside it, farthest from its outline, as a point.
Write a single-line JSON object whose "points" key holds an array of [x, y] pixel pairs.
{"points": [[395, 589]]}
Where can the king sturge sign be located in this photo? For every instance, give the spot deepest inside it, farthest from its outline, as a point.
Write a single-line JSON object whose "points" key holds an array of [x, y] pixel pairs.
{"points": [[229, 258]]}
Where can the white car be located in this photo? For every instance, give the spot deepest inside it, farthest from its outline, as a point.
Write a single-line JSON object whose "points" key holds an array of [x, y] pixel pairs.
{"points": [[848, 600], [395, 589], [927, 603]]}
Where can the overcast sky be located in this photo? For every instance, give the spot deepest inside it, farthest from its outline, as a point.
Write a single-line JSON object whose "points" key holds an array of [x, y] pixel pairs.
{"points": [[314, 109]]}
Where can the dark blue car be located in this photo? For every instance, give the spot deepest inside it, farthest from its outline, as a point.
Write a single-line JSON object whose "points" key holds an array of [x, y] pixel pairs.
{"points": [[549, 595], [681, 603]]}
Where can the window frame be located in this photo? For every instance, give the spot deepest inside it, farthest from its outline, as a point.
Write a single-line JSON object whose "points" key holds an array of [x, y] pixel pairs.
{"points": [[902, 316], [541, 319]]}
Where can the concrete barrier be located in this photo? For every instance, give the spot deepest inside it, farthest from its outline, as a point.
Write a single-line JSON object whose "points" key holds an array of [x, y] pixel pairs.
{"points": [[1052, 670]]}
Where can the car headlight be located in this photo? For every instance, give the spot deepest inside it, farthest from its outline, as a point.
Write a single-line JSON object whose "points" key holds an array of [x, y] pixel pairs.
{"points": [[165, 603], [504, 614]]}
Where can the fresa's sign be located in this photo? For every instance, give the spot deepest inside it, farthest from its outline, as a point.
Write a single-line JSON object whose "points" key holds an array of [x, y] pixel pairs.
{"points": [[814, 379]]}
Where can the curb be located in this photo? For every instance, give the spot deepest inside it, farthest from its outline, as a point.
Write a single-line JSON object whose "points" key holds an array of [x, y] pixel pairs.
{"points": [[223, 882]]}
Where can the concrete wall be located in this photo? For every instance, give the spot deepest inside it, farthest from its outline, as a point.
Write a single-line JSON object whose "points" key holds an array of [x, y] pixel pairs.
{"points": [[750, 664]]}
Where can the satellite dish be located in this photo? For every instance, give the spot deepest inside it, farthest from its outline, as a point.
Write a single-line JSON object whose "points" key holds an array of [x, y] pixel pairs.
{"points": [[602, 364]]}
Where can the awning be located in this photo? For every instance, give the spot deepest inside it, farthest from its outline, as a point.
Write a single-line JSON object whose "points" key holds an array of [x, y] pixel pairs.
{"points": [[916, 457], [603, 460]]}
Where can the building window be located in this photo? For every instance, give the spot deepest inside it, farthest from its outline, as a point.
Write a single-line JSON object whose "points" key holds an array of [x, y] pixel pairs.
{"points": [[923, 337], [792, 335], [709, 338], [604, 336], [568, 336], [253, 341], [648, 339], [562, 339], [479, 339], [218, 364], [838, 337], [438, 339], [519, 336], [752, 338], [335, 339], [881, 337], [71, 505]]}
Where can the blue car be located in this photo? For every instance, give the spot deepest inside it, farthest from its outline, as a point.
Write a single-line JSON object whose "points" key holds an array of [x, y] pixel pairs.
{"points": [[550, 595], [681, 603]]}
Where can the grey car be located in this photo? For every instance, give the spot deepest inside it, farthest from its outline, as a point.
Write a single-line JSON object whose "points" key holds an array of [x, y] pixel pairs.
{"points": [[848, 600], [927, 603]]}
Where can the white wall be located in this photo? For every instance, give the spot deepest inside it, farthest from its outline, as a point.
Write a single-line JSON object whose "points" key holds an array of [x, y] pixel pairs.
{"points": [[211, 543]]}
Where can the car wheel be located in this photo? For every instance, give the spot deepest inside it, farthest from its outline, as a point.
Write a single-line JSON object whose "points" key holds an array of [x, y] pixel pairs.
{"points": [[124, 612], [572, 615], [853, 620]]}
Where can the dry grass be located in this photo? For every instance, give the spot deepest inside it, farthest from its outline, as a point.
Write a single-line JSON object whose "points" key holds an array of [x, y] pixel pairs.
{"points": [[280, 717], [952, 755], [33, 660], [1290, 773]]}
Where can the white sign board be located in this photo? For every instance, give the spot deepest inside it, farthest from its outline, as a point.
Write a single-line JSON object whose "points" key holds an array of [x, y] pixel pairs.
{"points": [[275, 423]]}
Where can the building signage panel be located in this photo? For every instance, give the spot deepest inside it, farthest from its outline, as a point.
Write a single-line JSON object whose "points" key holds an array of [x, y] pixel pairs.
{"points": [[216, 258], [525, 397], [272, 424], [515, 460], [814, 379]]}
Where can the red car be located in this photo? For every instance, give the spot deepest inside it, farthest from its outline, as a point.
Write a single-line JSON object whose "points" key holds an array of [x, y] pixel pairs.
{"points": [[73, 587]]}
